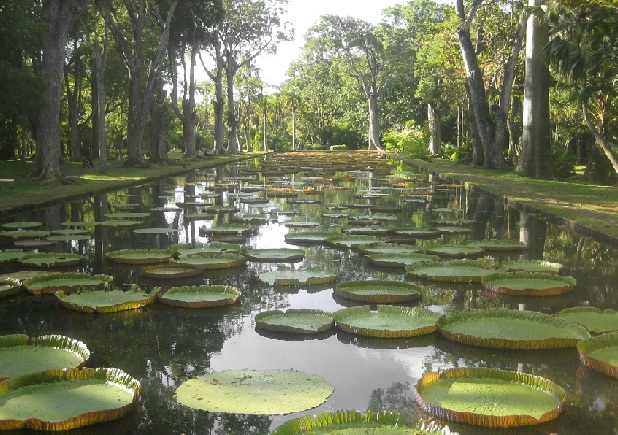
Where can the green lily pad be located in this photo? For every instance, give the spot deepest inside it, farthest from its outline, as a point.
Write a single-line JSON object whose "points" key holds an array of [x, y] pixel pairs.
{"points": [[171, 271], [512, 329], [367, 231], [53, 282], [21, 225], [298, 277], [500, 245], [77, 224], [373, 218], [388, 322], [241, 230], [67, 237], [208, 260], [115, 223], [51, 259], [155, 231], [20, 355], [600, 353], [334, 215], [451, 271], [418, 233], [388, 248], [302, 224], [529, 284], [221, 209], [456, 251], [212, 247], [378, 291], [33, 243], [295, 321], [349, 241], [594, 319], [354, 422], [267, 392], [23, 234], [110, 301], [307, 237], [490, 397], [539, 266], [87, 396], [284, 255], [400, 260], [127, 215], [198, 216], [11, 255], [140, 256], [203, 296]]}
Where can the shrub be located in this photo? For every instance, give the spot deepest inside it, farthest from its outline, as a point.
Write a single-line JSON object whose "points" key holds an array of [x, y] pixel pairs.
{"points": [[412, 140], [564, 165]]}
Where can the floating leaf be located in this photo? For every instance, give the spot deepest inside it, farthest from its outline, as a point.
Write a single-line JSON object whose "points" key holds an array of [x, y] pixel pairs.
{"points": [[400, 260], [600, 353], [203, 296], [111, 301], [379, 291], [21, 225], [490, 397], [155, 231], [529, 284], [51, 259], [53, 282], [243, 230], [388, 322], [456, 251], [350, 241], [594, 319], [298, 277], [212, 247], [295, 321], [512, 329], [266, 392], [23, 234], [307, 237], [500, 245], [140, 256], [171, 271], [539, 266], [451, 271], [388, 248], [88, 396], [20, 355], [283, 255], [212, 260], [11, 255]]}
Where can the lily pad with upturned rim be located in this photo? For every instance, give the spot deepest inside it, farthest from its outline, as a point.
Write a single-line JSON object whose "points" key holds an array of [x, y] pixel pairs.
{"points": [[88, 396], [23, 234], [511, 329], [307, 237], [284, 255], [298, 277], [127, 215], [528, 284], [67, 282], [261, 392], [155, 231], [400, 260], [11, 255], [240, 230], [171, 271], [388, 322], [68, 237], [51, 259], [211, 247], [295, 321], [21, 225], [351, 241], [499, 245], [106, 301], [140, 256], [538, 266], [379, 291], [203, 296], [211, 260], [593, 319], [388, 248], [600, 353], [456, 251], [21, 355], [490, 397], [451, 271]]}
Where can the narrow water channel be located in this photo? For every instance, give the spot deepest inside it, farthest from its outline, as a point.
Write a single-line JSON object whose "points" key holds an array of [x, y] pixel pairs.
{"points": [[164, 346]]}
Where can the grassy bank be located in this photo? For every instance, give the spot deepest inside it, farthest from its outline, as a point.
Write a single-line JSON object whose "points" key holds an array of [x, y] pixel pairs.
{"points": [[18, 192], [584, 207]]}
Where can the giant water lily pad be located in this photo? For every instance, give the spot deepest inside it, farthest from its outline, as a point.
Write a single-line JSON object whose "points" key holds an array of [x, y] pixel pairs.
{"points": [[388, 248], [20, 355], [212, 247], [307, 237], [238, 230], [67, 237], [67, 282], [500, 245], [140, 256], [400, 260], [529, 284], [511, 329], [23, 234], [379, 291], [418, 233], [387, 322], [111, 301], [456, 251], [66, 399], [155, 231], [203, 296], [300, 321], [22, 225], [211, 260], [490, 397], [600, 353], [594, 319], [171, 271], [266, 392], [354, 422], [298, 277], [51, 259], [538, 266], [284, 255], [451, 271], [11, 255], [350, 241], [127, 215]]}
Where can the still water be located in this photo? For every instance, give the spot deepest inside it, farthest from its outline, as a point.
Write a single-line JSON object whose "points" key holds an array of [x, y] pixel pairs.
{"points": [[164, 346]]}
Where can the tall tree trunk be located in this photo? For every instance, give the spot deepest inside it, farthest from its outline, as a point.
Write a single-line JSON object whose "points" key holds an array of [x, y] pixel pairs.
{"points": [[374, 123], [188, 110], [536, 159], [73, 108], [435, 141], [59, 15], [232, 123], [100, 60]]}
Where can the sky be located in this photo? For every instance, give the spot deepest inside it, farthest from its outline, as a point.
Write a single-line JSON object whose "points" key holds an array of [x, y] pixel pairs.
{"points": [[304, 14]]}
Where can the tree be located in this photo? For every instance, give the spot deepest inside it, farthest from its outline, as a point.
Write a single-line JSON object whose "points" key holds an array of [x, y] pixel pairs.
{"points": [[143, 61], [583, 54], [59, 17], [490, 117], [536, 156]]}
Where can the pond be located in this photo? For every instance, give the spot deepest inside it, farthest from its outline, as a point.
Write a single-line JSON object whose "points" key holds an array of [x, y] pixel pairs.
{"points": [[163, 346]]}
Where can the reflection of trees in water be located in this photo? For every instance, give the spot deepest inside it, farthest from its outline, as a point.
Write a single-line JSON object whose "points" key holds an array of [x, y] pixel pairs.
{"points": [[399, 397]]}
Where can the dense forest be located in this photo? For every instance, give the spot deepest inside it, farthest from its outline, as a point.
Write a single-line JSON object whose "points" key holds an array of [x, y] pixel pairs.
{"points": [[531, 85]]}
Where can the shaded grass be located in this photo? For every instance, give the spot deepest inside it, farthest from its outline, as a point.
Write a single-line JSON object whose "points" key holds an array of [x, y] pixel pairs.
{"points": [[586, 207]]}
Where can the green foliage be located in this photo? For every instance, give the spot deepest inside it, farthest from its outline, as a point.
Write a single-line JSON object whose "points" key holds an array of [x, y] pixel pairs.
{"points": [[564, 165], [411, 141]]}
